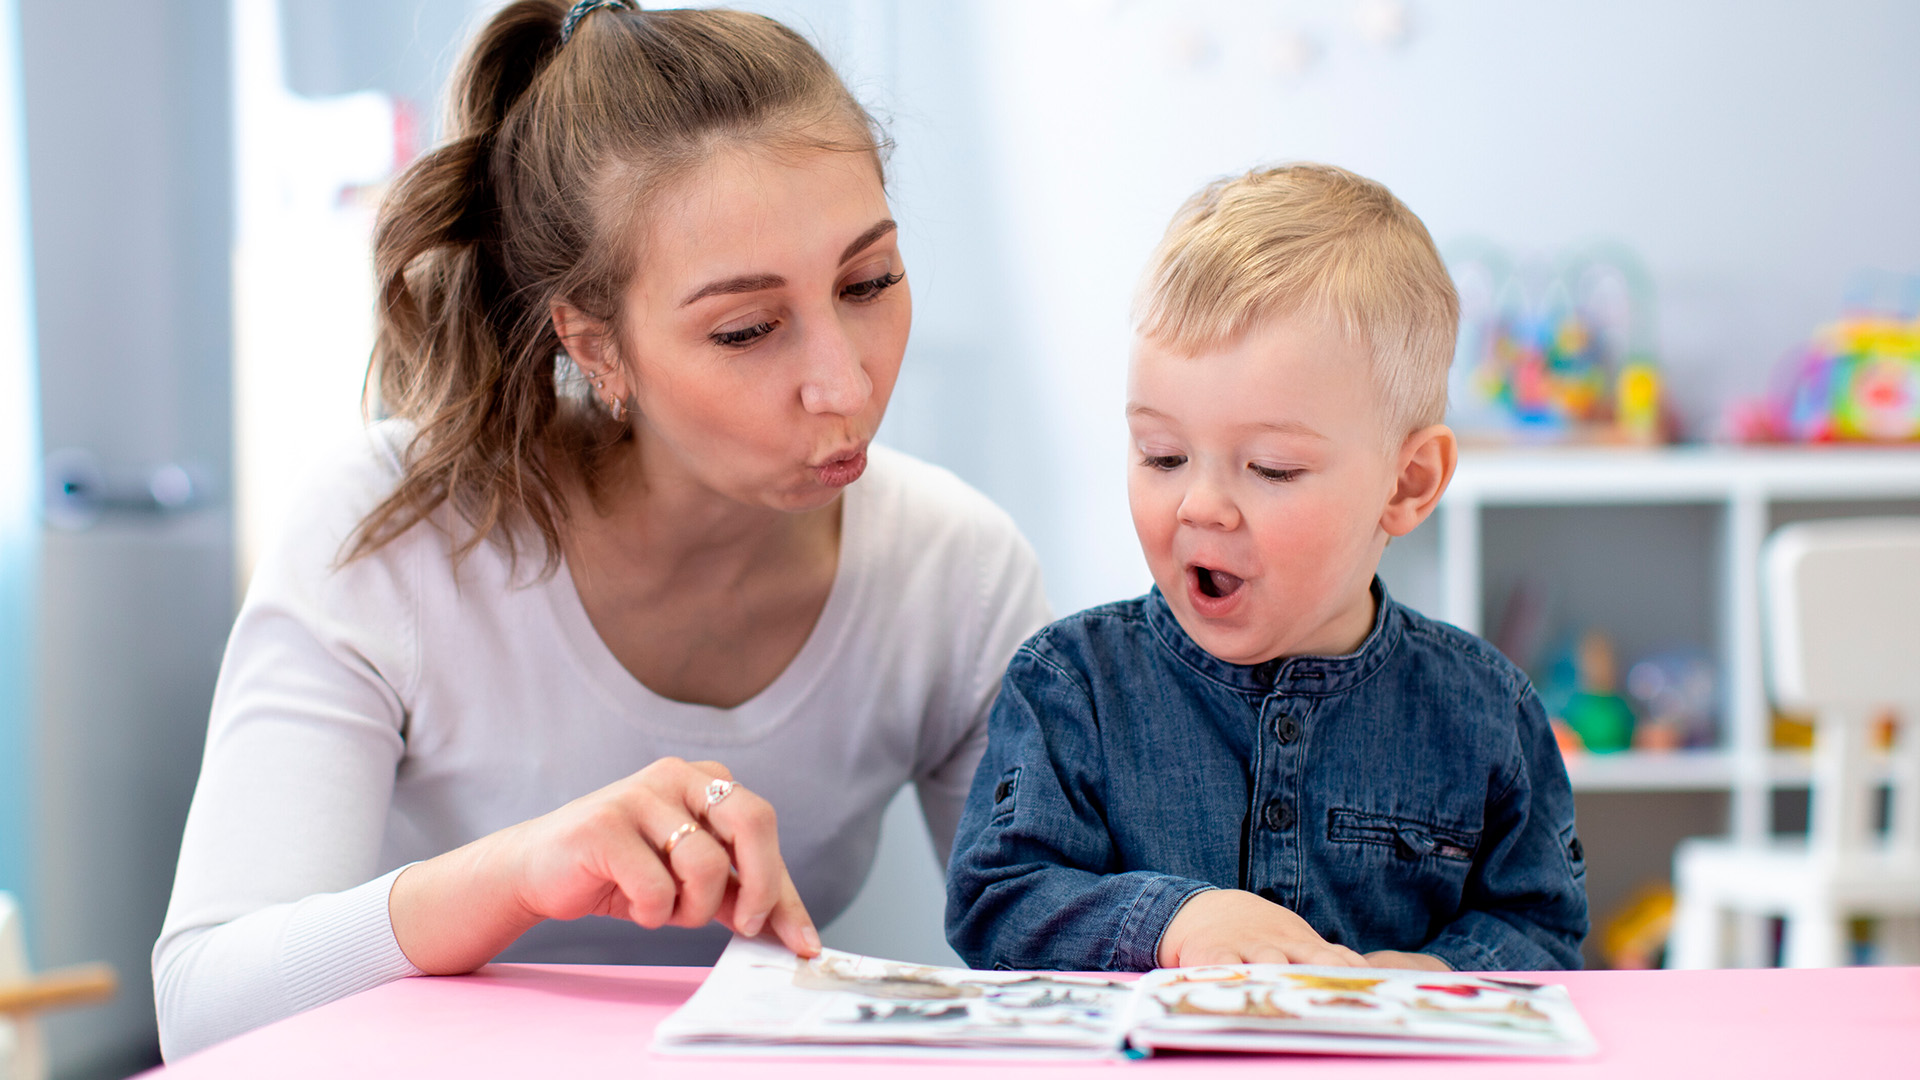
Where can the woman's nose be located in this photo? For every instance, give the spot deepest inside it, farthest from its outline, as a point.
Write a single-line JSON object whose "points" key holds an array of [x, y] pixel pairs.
{"points": [[835, 383]]}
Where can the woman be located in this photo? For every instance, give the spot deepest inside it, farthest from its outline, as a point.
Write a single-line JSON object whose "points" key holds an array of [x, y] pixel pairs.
{"points": [[463, 695]]}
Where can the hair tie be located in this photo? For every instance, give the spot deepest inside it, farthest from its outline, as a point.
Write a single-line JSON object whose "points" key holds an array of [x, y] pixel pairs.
{"points": [[587, 7]]}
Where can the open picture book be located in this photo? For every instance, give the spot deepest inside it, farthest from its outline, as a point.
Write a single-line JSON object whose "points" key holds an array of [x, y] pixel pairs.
{"points": [[761, 999]]}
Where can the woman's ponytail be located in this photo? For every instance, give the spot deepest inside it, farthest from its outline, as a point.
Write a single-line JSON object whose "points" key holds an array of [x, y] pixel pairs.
{"points": [[439, 351]]}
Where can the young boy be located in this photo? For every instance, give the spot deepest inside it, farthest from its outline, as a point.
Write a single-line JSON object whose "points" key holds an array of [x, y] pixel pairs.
{"points": [[1266, 758]]}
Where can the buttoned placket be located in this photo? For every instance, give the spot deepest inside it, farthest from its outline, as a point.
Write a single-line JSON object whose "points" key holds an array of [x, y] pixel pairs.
{"points": [[1275, 848]]}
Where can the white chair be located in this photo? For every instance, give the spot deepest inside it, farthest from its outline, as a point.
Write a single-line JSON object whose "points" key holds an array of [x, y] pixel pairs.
{"points": [[22, 1056], [1842, 614]]}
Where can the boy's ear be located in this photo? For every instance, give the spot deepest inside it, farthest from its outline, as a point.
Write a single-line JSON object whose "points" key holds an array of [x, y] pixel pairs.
{"points": [[1427, 459]]}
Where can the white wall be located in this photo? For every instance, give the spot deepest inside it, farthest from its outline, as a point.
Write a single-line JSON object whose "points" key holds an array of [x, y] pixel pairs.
{"points": [[1757, 155]]}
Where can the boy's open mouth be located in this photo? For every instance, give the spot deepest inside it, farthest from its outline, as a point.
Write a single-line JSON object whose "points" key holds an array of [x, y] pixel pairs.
{"points": [[1216, 583]]}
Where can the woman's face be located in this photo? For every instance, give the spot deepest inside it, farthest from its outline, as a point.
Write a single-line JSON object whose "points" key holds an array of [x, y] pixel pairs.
{"points": [[763, 331]]}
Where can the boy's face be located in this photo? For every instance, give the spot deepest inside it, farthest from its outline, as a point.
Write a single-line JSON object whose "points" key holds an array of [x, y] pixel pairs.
{"points": [[1258, 480]]}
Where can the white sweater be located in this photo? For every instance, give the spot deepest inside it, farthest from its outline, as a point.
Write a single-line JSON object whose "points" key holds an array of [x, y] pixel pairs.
{"points": [[378, 713]]}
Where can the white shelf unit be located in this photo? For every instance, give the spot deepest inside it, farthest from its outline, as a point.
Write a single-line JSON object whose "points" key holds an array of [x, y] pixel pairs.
{"points": [[1747, 491]]}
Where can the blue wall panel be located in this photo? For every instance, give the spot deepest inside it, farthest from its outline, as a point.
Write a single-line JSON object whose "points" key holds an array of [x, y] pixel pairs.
{"points": [[19, 474]]}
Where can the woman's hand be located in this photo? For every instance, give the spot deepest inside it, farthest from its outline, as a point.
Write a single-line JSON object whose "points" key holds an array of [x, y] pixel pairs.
{"points": [[1228, 926], [607, 854]]}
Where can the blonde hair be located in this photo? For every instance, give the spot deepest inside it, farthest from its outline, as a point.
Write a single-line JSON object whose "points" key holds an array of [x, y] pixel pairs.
{"points": [[1309, 237], [556, 143]]}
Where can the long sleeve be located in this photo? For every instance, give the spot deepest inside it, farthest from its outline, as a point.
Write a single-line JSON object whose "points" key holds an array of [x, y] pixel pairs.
{"points": [[215, 982], [1032, 881], [280, 903], [1526, 901]]}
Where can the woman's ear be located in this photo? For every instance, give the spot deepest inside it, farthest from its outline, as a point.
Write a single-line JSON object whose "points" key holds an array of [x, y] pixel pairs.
{"points": [[1427, 459], [590, 346]]}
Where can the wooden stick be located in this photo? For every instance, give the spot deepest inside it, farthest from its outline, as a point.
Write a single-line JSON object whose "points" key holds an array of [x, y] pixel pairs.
{"points": [[59, 989]]}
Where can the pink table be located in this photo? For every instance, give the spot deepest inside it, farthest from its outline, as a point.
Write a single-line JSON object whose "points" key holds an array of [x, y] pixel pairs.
{"points": [[511, 1020]]}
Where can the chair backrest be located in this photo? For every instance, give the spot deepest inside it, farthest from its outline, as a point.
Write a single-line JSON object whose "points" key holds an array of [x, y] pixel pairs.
{"points": [[1842, 604], [22, 1056], [1841, 600]]}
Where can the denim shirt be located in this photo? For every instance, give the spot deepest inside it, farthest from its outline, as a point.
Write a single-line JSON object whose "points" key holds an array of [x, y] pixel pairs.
{"points": [[1408, 795]]}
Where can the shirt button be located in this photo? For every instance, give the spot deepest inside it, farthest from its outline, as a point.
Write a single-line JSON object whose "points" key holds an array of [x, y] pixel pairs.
{"points": [[1278, 815], [1286, 729]]}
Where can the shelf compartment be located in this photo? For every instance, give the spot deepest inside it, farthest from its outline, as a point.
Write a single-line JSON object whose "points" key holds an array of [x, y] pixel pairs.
{"points": [[1689, 770]]}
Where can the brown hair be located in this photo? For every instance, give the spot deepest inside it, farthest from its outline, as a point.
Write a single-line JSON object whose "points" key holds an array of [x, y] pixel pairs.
{"points": [[553, 150], [1278, 240]]}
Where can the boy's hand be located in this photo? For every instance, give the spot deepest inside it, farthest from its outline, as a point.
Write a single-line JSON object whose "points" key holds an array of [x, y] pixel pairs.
{"points": [[1414, 961], [1228, 926]]}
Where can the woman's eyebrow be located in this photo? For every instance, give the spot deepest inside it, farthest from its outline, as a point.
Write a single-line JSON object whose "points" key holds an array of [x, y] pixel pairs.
{"points": [[866, 239], [747, 283]]}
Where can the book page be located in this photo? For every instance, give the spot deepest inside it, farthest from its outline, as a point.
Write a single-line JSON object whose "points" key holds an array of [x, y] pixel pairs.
{"points": [[1355, 1010], [761, 995]]}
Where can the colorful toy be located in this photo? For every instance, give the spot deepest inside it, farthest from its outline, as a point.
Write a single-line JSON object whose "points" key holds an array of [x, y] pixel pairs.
{"points": [[1634, 936], [1582, 693], [1858, 380], [1636, 402], [1556, 354]]}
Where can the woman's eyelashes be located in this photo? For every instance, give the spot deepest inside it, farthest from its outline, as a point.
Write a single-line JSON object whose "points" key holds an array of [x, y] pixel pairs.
{"points": [[746, 335], [861, 292]]}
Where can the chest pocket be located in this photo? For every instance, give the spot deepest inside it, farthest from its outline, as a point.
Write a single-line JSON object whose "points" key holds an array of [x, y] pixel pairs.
{"points": [[1005, 792], [1408, 838]]}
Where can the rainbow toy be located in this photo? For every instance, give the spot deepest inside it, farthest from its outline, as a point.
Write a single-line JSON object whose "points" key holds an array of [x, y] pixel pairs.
{"points": [[1858, 380]]}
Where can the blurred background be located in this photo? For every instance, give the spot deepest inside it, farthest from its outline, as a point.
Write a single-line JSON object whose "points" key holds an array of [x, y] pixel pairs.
{"points": [[1679, 228]]}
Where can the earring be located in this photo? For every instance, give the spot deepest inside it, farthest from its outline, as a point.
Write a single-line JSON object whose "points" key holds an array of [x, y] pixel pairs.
{"points": [[617, 407]]}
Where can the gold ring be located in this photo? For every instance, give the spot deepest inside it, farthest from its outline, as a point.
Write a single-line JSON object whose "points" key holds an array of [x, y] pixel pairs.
{"points": [[679, 834]]}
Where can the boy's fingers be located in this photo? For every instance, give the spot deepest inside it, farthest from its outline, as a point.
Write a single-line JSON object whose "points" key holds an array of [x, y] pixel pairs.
{"points": [[1265, 954], [1339, 956]]}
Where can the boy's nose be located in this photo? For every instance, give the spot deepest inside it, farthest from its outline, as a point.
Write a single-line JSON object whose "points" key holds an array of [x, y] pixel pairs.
{"points": [[1207, 507]]}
